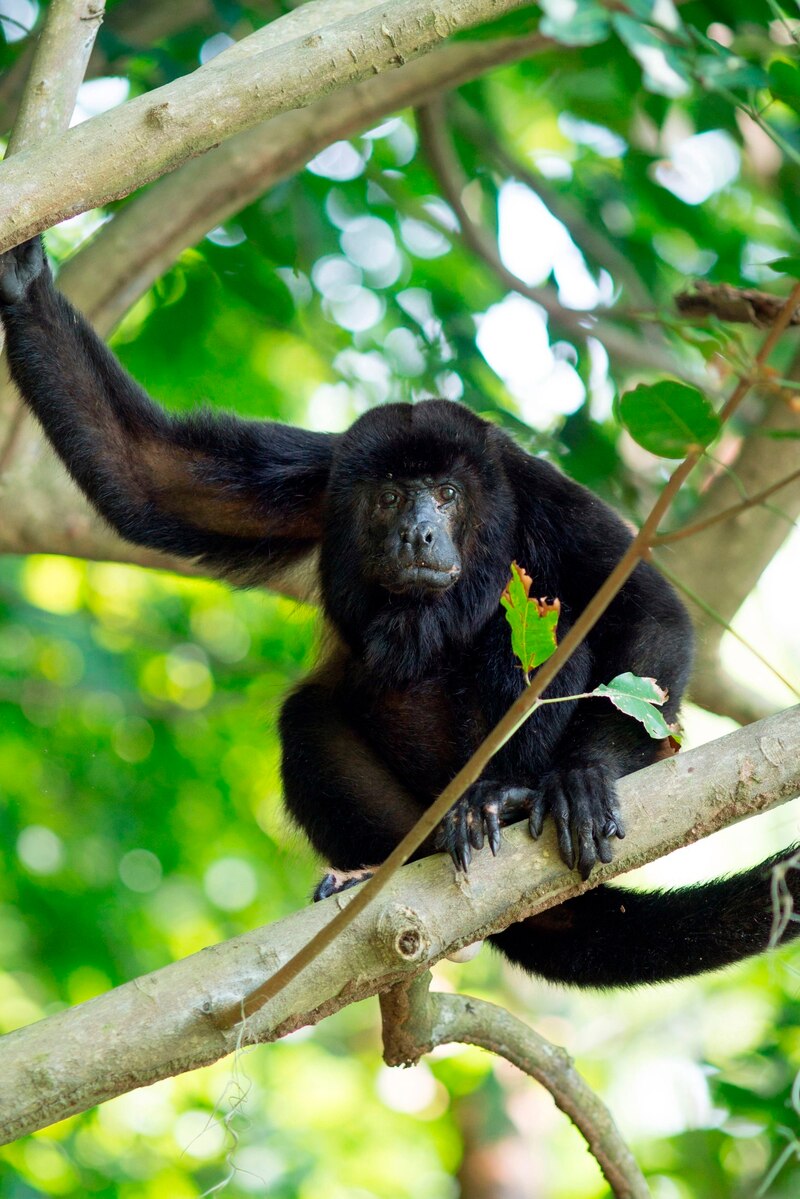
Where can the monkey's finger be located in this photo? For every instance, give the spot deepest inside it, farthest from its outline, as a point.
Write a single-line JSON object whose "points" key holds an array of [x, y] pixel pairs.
{"points": [[491, 816], [603, 845], [587, 854], [536, 816], [475, 827], [514, 803], [613, 826], [457, 838], [561, 815]]}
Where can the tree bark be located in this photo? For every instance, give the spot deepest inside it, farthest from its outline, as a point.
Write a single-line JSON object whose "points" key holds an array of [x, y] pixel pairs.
{"points": [[288, 64]]}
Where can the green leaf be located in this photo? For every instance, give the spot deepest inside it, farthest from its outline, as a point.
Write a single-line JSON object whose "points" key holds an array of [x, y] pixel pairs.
{"points": [[784, 83], [637, 697], [668, 418], [581, 23], [664, 68], [533, 622], [786, 266], [728, 72]]}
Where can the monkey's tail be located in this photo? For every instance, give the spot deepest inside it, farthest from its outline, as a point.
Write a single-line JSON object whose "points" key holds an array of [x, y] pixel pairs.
{"points": [[609, 937]]}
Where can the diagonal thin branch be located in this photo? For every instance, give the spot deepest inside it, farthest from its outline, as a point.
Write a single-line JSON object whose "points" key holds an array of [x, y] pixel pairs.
{"points": [[708, 522], [742, 699], [598, 324], [588, 237]]}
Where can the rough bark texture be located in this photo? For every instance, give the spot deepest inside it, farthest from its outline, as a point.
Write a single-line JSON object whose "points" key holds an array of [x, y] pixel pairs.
{"points": [[164, 1023], [58, 63], [257, 78]]}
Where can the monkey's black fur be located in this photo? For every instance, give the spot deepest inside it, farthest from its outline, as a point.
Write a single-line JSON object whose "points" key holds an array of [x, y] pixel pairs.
{"points": [[417, 512]]}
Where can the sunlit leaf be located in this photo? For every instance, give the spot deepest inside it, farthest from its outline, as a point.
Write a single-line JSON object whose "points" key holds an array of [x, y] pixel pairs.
{"points": [[639, 697], [533, 621], [668, 418], [575, 22]]}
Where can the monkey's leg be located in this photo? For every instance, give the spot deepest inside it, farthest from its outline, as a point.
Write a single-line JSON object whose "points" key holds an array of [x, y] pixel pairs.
{"points": [[349, 804]]}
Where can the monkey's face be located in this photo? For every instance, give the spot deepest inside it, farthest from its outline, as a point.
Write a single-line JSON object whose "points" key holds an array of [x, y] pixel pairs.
{"points": [[415, 529]]}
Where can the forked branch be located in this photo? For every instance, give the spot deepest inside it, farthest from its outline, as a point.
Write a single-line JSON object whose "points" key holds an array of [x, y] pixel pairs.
{"points": [[416, 1020]]}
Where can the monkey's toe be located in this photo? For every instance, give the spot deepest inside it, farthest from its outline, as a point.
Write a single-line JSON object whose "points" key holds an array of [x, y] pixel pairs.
{"points": [[584, 805], [478, 816], [341, 880]]}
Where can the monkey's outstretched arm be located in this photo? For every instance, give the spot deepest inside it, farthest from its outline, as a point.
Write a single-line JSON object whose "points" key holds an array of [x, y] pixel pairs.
{"points": [[244, 494]]}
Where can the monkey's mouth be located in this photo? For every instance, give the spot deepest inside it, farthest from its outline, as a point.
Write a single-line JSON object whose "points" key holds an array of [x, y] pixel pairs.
{"points": [[422, 578]]}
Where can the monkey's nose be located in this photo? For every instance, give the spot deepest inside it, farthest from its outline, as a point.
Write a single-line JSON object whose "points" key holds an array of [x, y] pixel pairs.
{"points": [[417, 536]]}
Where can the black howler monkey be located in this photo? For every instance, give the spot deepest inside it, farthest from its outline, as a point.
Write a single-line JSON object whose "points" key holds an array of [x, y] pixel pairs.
{"points": [[417, 512]]}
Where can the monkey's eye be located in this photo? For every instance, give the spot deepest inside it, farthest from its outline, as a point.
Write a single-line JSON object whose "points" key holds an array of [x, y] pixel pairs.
{"points": [[447, 494], [389, 499]]}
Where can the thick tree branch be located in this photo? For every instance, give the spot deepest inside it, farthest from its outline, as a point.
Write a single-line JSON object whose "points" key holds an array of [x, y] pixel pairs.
{"points": [[57, 68], [59, 59], [341, 42], [143, 240], [416, 1020], [134, 25], [170, 1021]]}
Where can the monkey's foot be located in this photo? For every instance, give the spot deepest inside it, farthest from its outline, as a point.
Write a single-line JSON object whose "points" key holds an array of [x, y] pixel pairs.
{"points": [[478, 817], [340, 880], [583, 802]]}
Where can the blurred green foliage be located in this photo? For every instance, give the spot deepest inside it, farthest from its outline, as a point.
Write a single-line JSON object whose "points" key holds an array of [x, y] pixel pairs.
{"points": [[140, 815]]}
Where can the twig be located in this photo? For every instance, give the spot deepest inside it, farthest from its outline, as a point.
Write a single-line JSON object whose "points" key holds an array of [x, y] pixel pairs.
{"points": [[738, 305], [516, 715], [727, 513], [712, 614], [451, 180], [588, 237], [415, 1020]]}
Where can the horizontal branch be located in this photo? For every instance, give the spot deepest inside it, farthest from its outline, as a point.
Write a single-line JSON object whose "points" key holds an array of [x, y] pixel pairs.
{"points": [[167, 1022], [288, 64]]}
